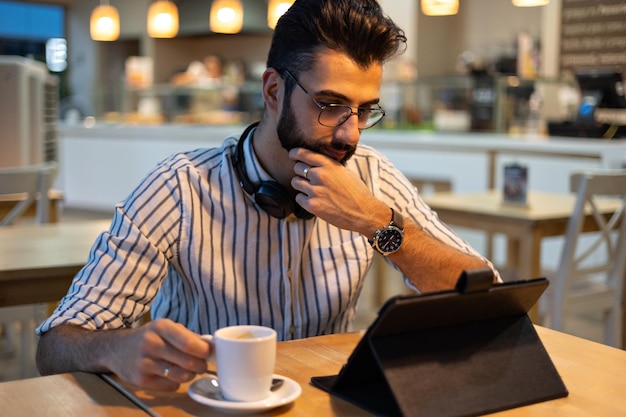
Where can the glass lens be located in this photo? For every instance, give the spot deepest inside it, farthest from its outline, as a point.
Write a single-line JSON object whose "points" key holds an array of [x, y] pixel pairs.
{"points": [[374, 116], [369, 117], [333, 115]]}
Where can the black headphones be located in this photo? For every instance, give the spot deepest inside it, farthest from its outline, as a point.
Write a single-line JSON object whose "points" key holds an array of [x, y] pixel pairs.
{"points": [[269, 195]]}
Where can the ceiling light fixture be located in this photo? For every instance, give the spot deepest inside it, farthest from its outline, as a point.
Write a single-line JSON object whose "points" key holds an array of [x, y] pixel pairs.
{"points": [[275, 9], [530, 3], [162, 19], [104, 24], [440, 7], [226, 16]]}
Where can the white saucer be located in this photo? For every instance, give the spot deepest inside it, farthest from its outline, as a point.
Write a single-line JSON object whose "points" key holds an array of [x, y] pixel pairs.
{"points": [[203, 392]]}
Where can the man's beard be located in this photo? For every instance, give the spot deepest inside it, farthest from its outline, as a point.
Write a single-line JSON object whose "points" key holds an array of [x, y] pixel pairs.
{"points": [[291, 136]]}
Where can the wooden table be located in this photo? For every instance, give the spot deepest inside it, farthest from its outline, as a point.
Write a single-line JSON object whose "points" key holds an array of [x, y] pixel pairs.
{"points": [[593, 373], [38, 262], [547, 215], [66, 395]]}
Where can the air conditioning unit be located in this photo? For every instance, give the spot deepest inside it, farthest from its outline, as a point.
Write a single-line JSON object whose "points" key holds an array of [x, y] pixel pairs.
{"points": [[29, 99]]}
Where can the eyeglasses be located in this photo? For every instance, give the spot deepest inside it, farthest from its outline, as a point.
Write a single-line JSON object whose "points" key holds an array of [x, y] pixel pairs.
{"points": [[333, 115]]}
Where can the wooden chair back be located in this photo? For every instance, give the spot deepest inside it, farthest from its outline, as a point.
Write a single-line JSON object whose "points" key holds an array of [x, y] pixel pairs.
{"points": [[592, 270]]}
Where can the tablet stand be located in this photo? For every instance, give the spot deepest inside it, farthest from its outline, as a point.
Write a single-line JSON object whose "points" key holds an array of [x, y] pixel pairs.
{"points": [[467, 352]]}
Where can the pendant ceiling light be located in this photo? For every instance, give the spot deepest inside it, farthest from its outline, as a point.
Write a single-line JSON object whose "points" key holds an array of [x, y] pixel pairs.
{"points": [[275, 9], [530, 3], [162, 19], [226, 16], [440, 7], [104, 24]]}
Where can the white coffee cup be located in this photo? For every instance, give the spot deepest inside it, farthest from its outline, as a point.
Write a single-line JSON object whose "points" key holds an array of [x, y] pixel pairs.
{"points": [[245, 356]]}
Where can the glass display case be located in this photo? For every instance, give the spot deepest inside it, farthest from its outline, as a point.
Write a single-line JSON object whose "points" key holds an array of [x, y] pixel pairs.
{"points": [[480, 103], [504, 104], [217, 104]]}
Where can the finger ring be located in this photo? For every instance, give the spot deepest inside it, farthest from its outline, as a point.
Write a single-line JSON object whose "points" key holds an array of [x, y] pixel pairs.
{"points": [[305, 172], [166, 372]]}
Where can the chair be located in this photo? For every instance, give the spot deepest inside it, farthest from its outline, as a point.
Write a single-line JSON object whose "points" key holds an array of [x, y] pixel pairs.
{"points": [[19, 342], [592, 269], [429, 185], [28, 184]]}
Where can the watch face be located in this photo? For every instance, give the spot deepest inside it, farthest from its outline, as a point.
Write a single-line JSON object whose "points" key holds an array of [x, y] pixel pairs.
{"points": [[390, 239]]}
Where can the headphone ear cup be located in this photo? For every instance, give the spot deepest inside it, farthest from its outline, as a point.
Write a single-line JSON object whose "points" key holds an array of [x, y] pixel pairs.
{"points": [[273, 198], [269, 195], [302, 213]]}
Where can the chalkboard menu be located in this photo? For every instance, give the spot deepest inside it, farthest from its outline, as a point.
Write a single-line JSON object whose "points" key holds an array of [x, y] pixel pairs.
{"points": [[593, 34]]}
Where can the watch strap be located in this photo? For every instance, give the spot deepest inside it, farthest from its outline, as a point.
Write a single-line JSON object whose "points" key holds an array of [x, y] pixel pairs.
{"points": [[396, 220]]}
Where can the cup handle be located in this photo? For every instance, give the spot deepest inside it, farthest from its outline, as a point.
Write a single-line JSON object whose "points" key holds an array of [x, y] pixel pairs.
{"points": [[209, 338]]}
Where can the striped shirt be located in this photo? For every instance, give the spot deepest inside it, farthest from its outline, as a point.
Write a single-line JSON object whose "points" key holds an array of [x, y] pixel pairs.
{"points": [[189, 244]]}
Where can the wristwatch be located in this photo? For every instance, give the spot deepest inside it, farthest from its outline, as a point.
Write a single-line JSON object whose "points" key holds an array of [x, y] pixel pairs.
{"points": [[388, 239]]}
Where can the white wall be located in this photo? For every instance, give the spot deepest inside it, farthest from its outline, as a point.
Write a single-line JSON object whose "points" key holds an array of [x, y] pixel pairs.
{"points": [[492, 25], [487, 28], [405, 14]]}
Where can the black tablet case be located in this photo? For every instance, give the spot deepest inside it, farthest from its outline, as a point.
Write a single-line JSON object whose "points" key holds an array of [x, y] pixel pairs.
{"points": [[466, 352]]}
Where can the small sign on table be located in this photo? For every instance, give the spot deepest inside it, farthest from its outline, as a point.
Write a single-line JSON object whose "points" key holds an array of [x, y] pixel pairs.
{"points": [[515, 185]]}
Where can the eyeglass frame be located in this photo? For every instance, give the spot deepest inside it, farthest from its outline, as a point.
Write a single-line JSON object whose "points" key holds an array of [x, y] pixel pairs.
{"points": [[323, 107]]}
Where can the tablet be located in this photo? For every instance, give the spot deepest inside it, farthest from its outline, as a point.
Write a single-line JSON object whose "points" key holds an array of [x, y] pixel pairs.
{"points": [[463, 352]]}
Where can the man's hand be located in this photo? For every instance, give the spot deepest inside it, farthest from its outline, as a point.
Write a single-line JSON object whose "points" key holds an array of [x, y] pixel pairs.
{"points": [[335, 194], [159, 355]]}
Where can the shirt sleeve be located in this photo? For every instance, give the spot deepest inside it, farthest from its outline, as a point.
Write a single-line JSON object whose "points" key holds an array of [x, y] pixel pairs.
{"points": [[398, 190], [127, 263]]}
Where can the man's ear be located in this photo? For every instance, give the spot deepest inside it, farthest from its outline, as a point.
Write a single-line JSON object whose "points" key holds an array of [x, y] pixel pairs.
{"points": [[273, 89]]}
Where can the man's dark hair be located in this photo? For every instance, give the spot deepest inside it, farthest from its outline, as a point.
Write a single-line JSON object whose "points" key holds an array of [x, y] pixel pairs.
{"points": [[357, 28]]}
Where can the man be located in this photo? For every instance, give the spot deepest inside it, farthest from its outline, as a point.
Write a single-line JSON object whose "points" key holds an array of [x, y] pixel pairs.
{"points": [[277, 228]]}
